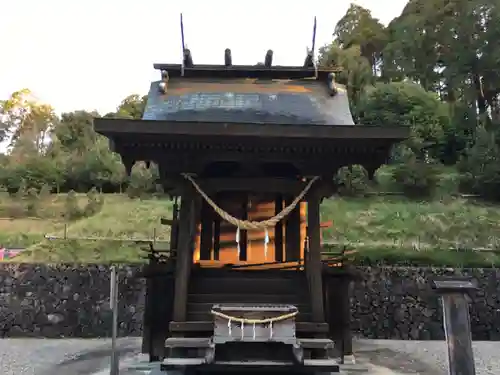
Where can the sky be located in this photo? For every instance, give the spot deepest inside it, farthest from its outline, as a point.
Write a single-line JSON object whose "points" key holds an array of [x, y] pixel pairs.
{"points": [[91, 54]]}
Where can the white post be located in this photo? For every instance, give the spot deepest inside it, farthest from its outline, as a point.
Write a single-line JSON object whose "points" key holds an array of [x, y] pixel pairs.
{"points": [[113, 304]]}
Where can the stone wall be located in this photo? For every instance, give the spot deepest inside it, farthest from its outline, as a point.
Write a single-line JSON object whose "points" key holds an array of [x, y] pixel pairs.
{"points": [[73, 301], [398, 303], [67, 301]]}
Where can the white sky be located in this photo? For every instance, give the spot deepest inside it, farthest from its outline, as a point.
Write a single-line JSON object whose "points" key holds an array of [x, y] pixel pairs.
{"points": [[91, 54]]}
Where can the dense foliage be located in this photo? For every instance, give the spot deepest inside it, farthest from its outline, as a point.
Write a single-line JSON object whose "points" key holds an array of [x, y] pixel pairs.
{"points": [[434, 69]]}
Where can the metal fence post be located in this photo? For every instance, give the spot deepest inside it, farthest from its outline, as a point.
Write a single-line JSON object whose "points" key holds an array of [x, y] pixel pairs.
{"points": [[113, 304], [455, 299]]}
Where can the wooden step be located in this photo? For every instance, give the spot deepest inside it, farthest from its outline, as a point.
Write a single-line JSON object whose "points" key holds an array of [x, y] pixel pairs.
{"points": [[316, 343], [236, 285], [183, 361], [265, 273], [327, 365], [187, 342]]}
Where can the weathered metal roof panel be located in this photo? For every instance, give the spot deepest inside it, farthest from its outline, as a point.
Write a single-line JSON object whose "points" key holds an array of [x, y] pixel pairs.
{"points": [[305, 101]]}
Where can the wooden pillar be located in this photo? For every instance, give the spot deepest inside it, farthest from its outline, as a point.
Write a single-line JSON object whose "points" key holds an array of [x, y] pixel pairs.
{"points": [[292, 234], [217, 222], [278, 231], [345, 313], [174, 229], [314, 263], [148, 317], [333, 311], [187, 232], [159, 293], [206, 232], [244, 233]]}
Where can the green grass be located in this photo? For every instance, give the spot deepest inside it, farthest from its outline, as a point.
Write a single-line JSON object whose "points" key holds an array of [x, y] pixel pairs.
{"points": [[382, 229], [395, 221], [120, 219], [448, 181], [393, 229]]}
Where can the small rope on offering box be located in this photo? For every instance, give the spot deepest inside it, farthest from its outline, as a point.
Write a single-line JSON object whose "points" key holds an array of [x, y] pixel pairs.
{"points": [[253, 322]]}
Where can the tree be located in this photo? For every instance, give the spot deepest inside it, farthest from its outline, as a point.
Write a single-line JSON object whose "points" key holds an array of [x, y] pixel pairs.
{"points": [[411, 50], [131, 107], [415, 177], [480, 166], [142, 180], [32, 172], [84, 155], [4, 126], [105, 167], [27, 122], [458, 132], [407, 104], [358, 28], [448, 47], [74, 131]]}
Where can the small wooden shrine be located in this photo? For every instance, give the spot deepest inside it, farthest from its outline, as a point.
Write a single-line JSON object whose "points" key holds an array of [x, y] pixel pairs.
{"points": [[247, 153]]}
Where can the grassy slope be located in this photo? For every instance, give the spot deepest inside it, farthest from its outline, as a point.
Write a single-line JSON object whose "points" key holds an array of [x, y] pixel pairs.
{"points": [[120, 218], [378, 227], [393, 228]]}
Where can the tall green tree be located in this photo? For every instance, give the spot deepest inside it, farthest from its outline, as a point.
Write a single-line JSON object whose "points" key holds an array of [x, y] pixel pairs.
{"points": [[411, 51], [75, 132], [27, 122], [358, 28], [83, 154], [448, 47], [480, 167]]}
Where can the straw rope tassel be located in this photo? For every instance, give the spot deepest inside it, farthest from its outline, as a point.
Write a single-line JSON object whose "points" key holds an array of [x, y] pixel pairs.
{"points": [[266, 242], [238, 241]]}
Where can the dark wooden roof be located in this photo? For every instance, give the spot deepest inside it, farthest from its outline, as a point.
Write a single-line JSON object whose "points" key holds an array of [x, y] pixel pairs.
{"points": [[190, 146], [163, 131], [244, 93], [209, 114]]}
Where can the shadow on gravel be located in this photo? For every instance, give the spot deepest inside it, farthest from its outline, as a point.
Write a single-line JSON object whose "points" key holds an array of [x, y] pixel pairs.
{"points": [[393, 360], [88, 362]]}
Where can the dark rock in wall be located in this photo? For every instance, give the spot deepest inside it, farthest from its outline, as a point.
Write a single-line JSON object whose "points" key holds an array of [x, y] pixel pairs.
{"points": [[73, 301]]}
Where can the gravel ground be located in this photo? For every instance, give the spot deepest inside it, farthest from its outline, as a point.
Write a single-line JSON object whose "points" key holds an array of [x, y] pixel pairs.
{"points": [[87, 357], [425, 357], [59, 357]]}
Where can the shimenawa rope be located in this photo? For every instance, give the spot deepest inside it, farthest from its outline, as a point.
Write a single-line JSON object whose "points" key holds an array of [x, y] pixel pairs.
{"points": [[255, 321], [248, 224]]}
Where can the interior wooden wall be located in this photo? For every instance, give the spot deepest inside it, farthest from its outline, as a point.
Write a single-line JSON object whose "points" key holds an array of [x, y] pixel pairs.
{"points": [[255, 245]]}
